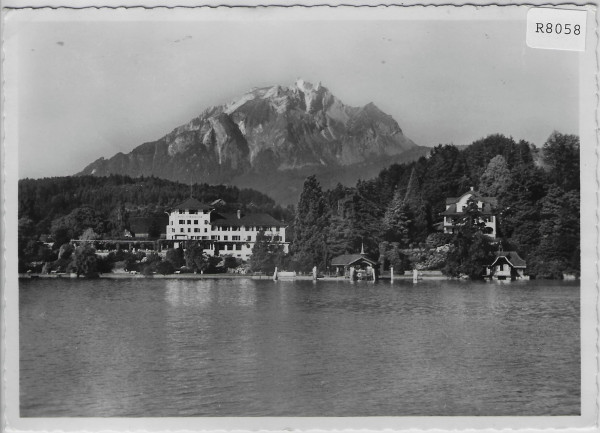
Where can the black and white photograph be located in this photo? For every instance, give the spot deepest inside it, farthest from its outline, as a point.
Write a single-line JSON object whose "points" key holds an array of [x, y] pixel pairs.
{"points": [[287, 215]]}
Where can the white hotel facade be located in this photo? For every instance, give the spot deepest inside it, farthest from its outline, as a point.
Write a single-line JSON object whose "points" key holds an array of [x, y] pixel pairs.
{"points": [[222, 233]]}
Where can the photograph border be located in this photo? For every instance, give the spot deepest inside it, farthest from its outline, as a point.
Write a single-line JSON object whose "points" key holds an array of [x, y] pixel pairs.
{"points": [[590, 150]]}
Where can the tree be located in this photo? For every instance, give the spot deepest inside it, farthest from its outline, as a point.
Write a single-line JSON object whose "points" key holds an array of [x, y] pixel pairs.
{"points": [[195, 259], [311, 227], [77, 221], [165, 267], [230, 262], [61, 237], [264, 254], [559, 234], [84, 261], [340, 237], [396, 221], [390, 255], [66, 251], [471, 247], [469, 255], [561, 156], [496, 178], [154, 229], [471, 220], [104, 265], [368, 206], [175, 257], [89, 234]]}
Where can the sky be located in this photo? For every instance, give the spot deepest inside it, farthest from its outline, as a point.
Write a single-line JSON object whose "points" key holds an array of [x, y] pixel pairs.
{"points": [[90, 89]]}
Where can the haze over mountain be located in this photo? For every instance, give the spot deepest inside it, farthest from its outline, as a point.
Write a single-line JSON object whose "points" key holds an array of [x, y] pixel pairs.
{"points": [[270, 139]]}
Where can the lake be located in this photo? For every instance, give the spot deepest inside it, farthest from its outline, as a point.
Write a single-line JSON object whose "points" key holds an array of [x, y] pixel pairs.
{"points": [[168, 347]]}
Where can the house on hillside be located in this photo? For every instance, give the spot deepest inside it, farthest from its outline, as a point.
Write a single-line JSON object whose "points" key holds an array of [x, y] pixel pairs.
{"points": [[456, 206], [507, 265], [354, 265], [222, 233]]}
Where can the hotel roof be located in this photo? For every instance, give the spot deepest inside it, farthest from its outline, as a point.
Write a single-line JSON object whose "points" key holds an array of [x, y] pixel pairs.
{"points": [[248, 220], [192, 204]]}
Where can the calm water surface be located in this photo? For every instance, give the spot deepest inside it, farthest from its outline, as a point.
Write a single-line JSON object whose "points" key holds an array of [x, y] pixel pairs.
{"points": [[148, 347]]}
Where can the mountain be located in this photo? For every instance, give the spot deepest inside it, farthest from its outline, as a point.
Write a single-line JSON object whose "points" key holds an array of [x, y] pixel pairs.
{"points": [[270, 139]]}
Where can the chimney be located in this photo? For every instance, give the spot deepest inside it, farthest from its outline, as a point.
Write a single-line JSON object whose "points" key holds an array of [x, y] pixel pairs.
{"points": [[239, 213]]}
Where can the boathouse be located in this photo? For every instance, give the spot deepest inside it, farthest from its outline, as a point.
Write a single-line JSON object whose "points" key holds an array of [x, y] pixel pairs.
{"points": [[361, 264], [507, 265]]}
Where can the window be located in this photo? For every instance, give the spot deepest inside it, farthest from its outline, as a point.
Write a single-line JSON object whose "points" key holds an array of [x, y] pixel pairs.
{"points": [[196, 230], [172, 230], [238, 247], [235, 229], [214, 238], [181, 221], [181, 230], [193, 212], [196, 222], [235, 238], [225, 238], [248, 238], [180, 211], [189, 230], [206, 222], [189, 222], [205, 230]]}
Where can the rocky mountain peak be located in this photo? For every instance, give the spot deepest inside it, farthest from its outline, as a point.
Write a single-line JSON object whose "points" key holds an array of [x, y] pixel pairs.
{"points": [[266, 130]]}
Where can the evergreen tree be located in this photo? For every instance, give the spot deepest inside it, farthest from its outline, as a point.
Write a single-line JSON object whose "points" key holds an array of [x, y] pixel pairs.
{"points": [[559, 235], [340, 237], [396, 221], [263, 257], [365, 219], [311, 227]]}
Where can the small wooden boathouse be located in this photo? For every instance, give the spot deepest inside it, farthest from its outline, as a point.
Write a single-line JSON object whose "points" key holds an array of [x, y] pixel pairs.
{"points": [[356, 266], [507, 265]]}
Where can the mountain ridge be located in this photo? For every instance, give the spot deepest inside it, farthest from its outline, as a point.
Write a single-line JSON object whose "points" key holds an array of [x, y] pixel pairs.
{"points": [[277, 130]]}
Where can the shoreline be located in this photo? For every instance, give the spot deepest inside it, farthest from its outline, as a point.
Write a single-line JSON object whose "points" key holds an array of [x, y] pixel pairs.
{"points": [[423, 275]]}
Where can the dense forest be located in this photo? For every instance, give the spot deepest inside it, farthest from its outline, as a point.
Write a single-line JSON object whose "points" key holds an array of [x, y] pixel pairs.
{"points": [[395, 216], [55, 210], [110, 201]]}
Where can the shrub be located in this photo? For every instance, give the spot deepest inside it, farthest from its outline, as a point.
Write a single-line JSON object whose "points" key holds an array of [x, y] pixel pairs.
{"points": [[435, 240], [165, 267]]}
